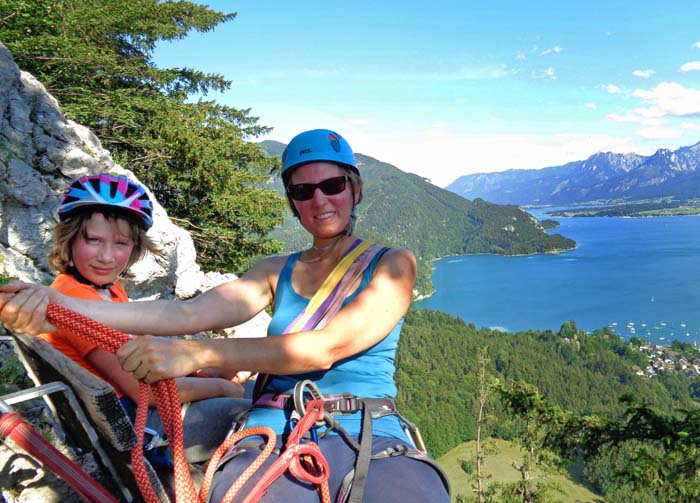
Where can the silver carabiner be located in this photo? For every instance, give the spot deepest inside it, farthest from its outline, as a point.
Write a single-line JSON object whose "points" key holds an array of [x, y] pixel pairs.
{"points": [[299, 401]]}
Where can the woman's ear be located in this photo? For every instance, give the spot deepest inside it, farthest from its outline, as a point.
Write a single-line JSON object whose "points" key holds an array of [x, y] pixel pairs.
{"points": [[357, 194]]}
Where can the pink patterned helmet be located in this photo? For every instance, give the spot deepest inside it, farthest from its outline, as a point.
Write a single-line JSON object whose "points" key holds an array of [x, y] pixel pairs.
{"points": [[107, 190]]}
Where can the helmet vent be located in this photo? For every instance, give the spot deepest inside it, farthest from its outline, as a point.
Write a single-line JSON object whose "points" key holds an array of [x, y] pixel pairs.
{"points": [[112, 190]]}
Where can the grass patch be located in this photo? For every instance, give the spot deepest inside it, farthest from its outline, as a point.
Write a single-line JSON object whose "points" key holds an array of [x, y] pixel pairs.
{"points": [[499, 466]]}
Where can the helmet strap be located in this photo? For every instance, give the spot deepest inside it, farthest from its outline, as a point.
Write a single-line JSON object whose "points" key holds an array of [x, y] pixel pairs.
{"points": [[82, 279], [353, 212]]}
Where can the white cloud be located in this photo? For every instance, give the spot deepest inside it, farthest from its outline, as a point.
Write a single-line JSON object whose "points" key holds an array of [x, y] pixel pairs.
{"points": [[591, 106], [669, 98], [644, 74], [690, 126], [554, 50], [489, 72], [658, 133], [442, 154], [649, 112], [635, 119], [550, 73], [520, 56], [612, 89], [690, 66], [642, 116], [696, 45]]}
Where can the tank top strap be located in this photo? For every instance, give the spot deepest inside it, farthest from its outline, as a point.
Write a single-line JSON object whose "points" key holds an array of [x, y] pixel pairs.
{"points": [[284, 282]]}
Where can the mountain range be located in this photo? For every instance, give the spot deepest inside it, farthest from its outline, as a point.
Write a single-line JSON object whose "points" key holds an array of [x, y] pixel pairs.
{"points": [[602, 178], [404, 210]]}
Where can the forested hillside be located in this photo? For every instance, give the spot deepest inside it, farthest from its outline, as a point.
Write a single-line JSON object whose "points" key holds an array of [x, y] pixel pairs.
{"points": [[586, 375], [403, 210]]}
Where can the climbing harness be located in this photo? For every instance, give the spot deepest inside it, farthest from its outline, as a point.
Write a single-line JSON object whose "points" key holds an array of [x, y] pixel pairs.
{"points": [[306, 393], [303, 459]]}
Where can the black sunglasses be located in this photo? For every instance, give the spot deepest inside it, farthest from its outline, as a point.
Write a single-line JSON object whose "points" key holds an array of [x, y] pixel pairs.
{"points": [[329, 186]]}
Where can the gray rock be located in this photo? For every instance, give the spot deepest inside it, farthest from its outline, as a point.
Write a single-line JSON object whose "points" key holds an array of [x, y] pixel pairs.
{"points": [[41, 152]]}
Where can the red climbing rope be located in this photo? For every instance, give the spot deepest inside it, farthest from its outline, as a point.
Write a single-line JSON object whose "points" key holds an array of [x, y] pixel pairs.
{"points": [[305, 461], [254, 466], [167, 401]]}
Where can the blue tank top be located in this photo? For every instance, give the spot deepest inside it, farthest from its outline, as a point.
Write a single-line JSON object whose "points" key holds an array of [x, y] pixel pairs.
{"points": [[369, 374]]}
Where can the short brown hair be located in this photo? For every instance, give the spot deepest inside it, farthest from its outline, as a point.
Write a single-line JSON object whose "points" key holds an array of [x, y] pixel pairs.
{"points": [[67, 231]]}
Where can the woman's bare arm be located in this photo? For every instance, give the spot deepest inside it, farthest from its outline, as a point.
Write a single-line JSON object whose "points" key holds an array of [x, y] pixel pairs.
{"points": [[362, 323], [225, 306]]}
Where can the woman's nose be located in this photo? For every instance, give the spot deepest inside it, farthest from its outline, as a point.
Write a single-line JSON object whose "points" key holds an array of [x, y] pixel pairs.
{"points": [[319, 195]]}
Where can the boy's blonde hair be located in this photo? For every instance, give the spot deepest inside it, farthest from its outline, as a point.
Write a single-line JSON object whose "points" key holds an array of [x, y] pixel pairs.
{"points": [[67, 231]]}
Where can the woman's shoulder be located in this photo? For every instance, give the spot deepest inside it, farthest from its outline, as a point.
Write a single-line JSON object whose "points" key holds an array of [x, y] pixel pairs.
{"points": [[397, 260], [398, 255], [269, 266]]}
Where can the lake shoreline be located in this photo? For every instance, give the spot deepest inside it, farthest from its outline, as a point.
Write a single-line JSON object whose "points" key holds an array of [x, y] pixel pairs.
{"points": [[608, 279]]}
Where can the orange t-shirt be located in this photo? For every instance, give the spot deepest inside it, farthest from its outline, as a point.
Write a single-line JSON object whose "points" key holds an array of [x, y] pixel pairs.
{"points": [[70, 344]]}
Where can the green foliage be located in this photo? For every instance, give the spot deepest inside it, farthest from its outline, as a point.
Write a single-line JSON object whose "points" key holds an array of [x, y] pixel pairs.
{"points": [[12, 373], [548, 223], [605, 471], [96, 59], [585, 374], [659, 207], [652, 452], [4, 277], [530, 491], [468, 466]]}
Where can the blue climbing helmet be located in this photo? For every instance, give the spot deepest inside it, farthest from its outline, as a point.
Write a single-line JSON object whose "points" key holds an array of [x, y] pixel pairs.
{"points": [[107, 190], [317, 145]]}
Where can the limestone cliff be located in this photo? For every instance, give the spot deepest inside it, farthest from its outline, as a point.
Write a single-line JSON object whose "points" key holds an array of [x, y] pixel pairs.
{"points": [[41, 152]]}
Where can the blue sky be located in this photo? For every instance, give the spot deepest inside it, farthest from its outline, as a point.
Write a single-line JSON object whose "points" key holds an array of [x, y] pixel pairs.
{"points": [[448, 88]]}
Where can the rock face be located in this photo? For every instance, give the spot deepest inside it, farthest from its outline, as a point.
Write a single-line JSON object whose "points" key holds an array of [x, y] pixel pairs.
{"points": [[41, 152]]}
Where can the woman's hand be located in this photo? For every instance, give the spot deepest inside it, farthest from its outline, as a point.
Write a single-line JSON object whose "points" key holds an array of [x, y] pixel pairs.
{"points": [[23, 307], [232, 389], [151, 358]]}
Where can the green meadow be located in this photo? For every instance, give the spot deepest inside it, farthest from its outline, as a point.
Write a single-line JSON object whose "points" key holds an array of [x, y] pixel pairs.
{"points": [[498, 466]]}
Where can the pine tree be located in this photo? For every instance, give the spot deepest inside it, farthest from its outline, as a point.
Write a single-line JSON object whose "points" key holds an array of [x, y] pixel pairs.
{"points": [[95, 57]]}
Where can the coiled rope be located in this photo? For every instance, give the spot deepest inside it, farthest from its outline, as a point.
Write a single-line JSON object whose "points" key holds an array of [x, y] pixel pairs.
{"points": [[304, 460], [165, 394]]}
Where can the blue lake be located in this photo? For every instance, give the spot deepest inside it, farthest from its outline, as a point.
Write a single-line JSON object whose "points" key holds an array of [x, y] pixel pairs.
{"points": [[639, 276]]}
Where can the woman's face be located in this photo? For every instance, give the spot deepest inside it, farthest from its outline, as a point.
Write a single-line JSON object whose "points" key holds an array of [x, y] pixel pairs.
{"points": [[103, 252], [323, 215]]}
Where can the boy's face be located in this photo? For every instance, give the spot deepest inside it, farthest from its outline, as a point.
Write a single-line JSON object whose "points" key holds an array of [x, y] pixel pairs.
{"points": [[103, 252]]}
